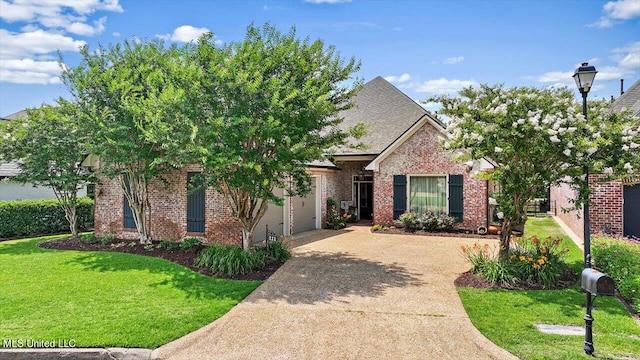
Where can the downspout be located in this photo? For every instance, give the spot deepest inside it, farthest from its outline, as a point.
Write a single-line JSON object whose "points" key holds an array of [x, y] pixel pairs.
{"points": [[487, 203]]}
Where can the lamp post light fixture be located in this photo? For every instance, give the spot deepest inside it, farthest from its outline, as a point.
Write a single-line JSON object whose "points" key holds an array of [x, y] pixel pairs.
{"points": [[584, 77]]}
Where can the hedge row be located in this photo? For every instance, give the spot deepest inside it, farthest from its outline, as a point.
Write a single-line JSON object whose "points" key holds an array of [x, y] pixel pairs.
{"points": [[42, 216]]}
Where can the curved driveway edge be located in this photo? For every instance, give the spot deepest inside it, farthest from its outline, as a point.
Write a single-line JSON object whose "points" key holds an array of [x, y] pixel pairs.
{"points": [[356, 295]]}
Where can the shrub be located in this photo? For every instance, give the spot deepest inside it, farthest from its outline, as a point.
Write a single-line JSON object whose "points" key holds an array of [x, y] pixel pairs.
{"points": [[89, 238], [277, 251], [376, 227], [621, 260], [38, 217], [334, 220], [108, 238], [230, 259], [409, 221], [427, 222], [190, 242], [169, 244], [533, 262]]}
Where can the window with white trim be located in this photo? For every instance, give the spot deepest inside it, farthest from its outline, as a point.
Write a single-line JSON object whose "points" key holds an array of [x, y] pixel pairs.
{"points": [[428, 193]]}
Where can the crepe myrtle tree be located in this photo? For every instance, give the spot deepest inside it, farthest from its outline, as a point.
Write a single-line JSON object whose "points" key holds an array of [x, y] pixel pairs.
{"points": [[538, 137], [132, 98], [49, 146], [269, 105]]}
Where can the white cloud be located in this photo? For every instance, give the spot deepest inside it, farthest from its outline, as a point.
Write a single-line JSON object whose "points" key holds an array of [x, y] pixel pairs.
{"points": [[399, 79], [443, 86], [453, 60], [116, 34], [16, 45], [27, 56], [618, 10], [327, 1], [27, 71], [35, 10], [622, 9], [87, 30], [185, 33], [564, 77], [628, 57]]}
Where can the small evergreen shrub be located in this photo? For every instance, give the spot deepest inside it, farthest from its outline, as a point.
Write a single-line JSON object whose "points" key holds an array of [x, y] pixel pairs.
{"points": [[89, 238], [23, 218], [169, 244], [108, 238], [428, 221], [190, 242]]}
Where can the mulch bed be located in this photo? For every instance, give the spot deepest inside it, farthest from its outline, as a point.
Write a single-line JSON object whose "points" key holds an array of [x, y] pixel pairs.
{"points": [[185, 258], [469, 279]]}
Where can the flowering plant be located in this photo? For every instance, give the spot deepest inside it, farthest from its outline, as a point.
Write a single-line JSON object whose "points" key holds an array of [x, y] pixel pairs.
{"points": [[536, 138]]}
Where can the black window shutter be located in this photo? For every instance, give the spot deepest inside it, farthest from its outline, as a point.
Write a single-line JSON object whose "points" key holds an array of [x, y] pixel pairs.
{"points": [[128, 221], [195, 203], [456, 203], [399, 195]]}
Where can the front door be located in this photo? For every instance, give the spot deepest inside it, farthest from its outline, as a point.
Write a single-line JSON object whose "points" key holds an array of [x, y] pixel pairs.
{"points": [[365, 201], [363, 197]]}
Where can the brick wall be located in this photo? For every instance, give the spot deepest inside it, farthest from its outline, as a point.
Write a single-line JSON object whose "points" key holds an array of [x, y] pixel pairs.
{"points": [[606, 205], [168, 200], [574, 219], [605, 208], [421, 154]]}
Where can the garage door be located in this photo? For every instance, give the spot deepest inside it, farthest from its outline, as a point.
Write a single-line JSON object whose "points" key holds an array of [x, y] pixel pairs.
{"points": [[273, 218], [631, 210], [304, 210]]}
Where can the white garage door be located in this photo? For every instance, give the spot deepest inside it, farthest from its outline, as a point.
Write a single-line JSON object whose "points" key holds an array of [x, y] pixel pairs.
{"points": [[304, 211], [273, 218]]}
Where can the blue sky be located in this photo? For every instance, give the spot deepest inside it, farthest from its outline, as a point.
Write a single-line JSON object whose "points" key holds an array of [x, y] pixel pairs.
{"points": [[422, 47]]}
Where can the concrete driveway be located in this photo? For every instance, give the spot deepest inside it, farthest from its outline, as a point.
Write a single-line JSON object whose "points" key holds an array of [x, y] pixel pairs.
{"points": [[355, 295]]}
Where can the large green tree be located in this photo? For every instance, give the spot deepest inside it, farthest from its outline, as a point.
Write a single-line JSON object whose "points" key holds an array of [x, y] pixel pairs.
{"points": [[133, 102], [269, 105], [538, 137], [49, 145]]}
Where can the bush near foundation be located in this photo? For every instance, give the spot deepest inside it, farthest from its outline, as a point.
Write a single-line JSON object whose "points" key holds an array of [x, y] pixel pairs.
{"points": [[21, 218]]}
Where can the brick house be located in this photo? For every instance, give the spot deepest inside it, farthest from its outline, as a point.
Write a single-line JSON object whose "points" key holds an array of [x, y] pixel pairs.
{"points": [[401, 169], [615, 205]]}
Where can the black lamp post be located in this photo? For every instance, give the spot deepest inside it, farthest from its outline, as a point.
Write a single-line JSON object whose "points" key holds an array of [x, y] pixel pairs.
{"points": [[584, 76]]}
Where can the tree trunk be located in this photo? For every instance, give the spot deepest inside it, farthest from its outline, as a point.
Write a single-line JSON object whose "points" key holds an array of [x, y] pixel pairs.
{"points": [[67, 200], [505, 238], [247, 238], [136, 191]]}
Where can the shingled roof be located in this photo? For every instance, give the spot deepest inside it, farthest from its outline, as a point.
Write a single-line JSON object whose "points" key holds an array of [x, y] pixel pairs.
{"points": [[11, 169], [387, 112], [629, 100]]}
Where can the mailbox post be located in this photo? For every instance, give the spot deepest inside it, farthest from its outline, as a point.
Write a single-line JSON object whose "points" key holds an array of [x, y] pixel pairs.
{"points": [[595, 283], [584, 77]]}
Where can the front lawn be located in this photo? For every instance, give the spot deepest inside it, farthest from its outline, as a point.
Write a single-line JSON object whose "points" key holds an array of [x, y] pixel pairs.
{"points": [[508, 317], [102, 299]]}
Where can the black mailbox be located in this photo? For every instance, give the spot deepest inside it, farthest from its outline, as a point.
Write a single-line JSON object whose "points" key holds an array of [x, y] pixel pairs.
{"points": [[597, 283]]}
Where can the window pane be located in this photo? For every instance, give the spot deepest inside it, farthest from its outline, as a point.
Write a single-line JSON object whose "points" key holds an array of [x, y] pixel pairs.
{"points": [[428, 193]]}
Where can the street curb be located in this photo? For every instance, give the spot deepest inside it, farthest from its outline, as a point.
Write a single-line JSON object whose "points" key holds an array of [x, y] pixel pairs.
{"points": [[77, 354]]}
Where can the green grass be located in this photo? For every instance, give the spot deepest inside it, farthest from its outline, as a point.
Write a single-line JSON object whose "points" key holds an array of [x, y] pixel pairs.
{"points": [[508, 317], [104, 299]]}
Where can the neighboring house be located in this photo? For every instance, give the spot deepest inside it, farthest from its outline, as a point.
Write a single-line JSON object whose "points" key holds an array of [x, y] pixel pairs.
{"points": [[11, 190], [402, 169], [615, 205]]}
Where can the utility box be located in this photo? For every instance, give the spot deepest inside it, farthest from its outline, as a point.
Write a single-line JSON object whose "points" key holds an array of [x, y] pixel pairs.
{"points": [[597, 283]]}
